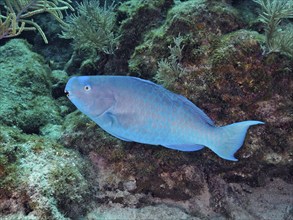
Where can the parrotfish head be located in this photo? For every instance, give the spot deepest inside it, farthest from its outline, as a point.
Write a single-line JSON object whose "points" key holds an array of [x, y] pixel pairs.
{"points": [[89, 94]]}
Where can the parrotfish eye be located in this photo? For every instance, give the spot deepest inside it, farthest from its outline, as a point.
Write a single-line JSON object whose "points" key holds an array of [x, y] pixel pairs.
{"points": [[87, 88]]}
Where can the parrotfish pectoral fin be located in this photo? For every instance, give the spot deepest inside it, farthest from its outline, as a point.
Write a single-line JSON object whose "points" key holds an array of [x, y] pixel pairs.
{"points": [[230, 138], [185, 147]]}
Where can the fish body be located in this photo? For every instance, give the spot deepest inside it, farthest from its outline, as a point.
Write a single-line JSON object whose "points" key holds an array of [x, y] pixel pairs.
{"points": [[133, 109]]}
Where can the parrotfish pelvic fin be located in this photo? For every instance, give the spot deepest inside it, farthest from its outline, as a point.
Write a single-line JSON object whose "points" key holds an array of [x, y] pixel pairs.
{"points": [[185, 147]]}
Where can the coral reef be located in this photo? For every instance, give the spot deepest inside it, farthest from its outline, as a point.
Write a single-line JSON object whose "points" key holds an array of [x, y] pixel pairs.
{"points": [[55, 163]]}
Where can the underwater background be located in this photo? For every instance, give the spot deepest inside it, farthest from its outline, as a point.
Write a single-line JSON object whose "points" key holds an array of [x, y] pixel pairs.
{"points": [[232, 58]]}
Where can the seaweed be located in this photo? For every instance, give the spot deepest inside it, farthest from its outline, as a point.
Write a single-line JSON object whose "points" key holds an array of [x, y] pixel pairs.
{"points": [[278, 38], [169, 69], [92, 27]]}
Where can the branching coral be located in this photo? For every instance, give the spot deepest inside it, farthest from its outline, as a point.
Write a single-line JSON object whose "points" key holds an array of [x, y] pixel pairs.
{"points": [[93, 27], [277, 39], [18, 14]]}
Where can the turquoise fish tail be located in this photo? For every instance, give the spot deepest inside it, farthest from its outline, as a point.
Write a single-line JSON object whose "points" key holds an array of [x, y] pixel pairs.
{"points": [[228, 139]]}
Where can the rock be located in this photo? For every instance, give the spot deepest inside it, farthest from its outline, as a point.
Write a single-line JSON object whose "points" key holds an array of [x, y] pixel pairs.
{"points": [[148, 212], [198, 22], [40, 178]]}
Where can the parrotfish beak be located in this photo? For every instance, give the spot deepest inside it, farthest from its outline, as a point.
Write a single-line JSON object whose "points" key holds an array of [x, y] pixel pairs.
{"points": [[66, 92]]}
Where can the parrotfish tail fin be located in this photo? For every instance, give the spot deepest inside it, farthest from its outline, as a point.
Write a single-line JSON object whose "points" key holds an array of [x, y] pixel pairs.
{"points": [[230, 138]]}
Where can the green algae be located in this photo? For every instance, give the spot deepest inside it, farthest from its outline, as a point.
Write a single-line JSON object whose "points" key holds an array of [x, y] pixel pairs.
{"points": [[26, 100]]}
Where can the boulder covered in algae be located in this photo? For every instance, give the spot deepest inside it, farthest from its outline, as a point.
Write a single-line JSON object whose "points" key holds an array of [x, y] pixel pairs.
{"points": [[25, 87], [40, 179]]}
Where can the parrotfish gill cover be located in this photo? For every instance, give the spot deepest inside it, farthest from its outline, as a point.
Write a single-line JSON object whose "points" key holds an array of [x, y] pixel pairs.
{"points": [[133, 109]]}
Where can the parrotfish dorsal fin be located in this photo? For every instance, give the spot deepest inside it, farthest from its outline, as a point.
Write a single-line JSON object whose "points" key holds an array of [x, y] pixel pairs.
{"points": [[196, 109], [181, 98]]}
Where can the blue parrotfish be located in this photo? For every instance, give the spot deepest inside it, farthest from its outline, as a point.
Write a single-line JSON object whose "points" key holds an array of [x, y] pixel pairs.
{"points": [[137, 110]]}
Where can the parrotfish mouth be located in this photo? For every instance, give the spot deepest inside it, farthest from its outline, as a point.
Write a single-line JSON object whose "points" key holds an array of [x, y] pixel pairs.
{"points": [[66, 92]]}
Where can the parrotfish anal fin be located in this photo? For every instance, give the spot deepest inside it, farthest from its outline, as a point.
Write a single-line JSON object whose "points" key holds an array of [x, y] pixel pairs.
{"points": [[185, 147]]}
